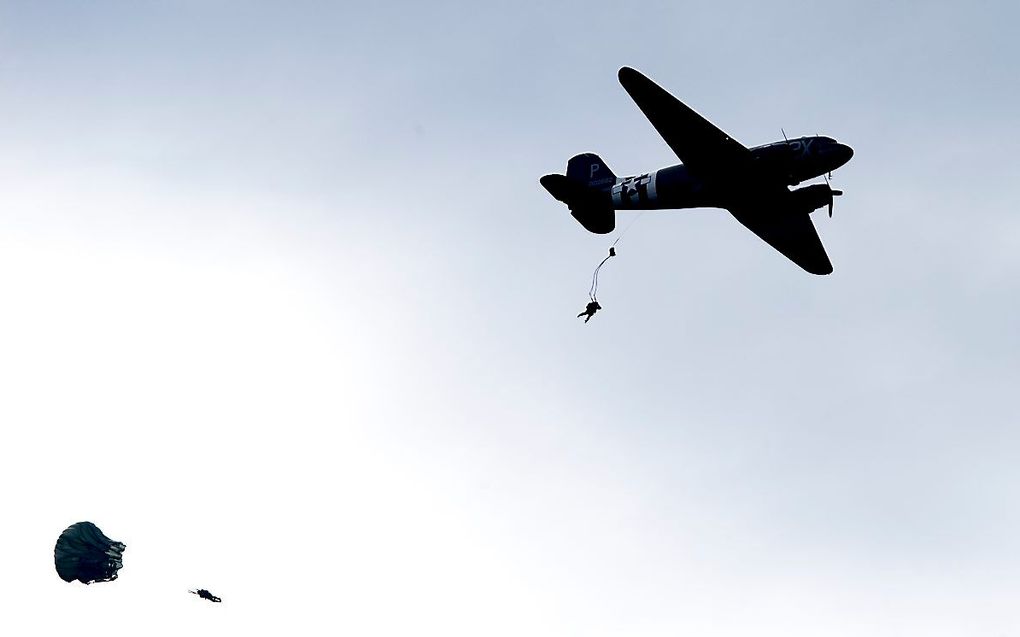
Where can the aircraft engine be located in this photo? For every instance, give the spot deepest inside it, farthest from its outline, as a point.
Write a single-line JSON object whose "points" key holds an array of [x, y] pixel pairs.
{"points": [[811, 198]]}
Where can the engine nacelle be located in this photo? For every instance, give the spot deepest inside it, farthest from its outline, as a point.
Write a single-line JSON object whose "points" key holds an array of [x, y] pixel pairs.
{"points": [[811, 198]]}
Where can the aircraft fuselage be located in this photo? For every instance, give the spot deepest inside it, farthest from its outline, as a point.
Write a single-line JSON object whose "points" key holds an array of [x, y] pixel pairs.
{"points": [[717, 171], [781, 164]]}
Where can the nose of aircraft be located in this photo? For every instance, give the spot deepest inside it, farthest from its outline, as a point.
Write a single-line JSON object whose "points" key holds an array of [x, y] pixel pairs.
{"points": [[842, 154]]}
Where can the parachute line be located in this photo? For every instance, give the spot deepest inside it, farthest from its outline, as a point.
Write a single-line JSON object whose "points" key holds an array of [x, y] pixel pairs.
{"points": [[629, 226], [593, 291]]}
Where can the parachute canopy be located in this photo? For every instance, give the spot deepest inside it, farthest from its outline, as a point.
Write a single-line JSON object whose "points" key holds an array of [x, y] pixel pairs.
{"points": [[83, 553]]}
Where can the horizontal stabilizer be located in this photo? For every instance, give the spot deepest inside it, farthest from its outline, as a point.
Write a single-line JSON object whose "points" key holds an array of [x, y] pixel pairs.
{"points": [[564, 188], [592, 208]]}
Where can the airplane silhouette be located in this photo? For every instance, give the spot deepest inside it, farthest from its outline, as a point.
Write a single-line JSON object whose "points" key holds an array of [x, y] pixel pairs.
{"points": [[717, 172]]}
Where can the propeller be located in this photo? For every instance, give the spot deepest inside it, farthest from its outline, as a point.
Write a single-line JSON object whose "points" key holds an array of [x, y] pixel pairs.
{"points": [[835, 193], [832, 193]]}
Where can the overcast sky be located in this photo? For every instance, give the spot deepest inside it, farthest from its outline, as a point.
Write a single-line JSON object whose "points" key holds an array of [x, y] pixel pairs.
{"points": [[284, 308]]}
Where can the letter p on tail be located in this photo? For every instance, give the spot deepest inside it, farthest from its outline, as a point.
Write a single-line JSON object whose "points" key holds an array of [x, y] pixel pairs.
{"points": [[590, 170]]}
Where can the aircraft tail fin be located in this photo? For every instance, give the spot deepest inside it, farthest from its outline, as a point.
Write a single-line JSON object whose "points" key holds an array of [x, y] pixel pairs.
{"points": [[586, 190], [590, 170]]}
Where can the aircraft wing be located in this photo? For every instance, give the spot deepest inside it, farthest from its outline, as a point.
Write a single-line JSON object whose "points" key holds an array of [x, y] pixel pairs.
{"points": [[705, 150], [792, 233]]}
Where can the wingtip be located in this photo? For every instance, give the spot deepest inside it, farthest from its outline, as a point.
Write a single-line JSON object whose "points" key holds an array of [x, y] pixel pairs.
{"points": [[626, 73], [558, 186], [549, 182]]}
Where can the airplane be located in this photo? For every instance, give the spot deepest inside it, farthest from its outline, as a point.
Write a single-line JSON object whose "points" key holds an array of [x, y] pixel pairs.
{"points": [[717, 172]]}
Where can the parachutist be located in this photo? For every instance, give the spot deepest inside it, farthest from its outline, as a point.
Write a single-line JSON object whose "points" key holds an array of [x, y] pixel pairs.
{"points": [[204, 594], [589, 310]]}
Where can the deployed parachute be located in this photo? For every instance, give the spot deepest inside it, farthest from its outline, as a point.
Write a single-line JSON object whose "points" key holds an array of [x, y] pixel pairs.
{"points": [[83, 553]]}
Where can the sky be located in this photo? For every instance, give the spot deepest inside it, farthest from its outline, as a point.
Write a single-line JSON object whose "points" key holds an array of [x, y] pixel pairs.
{"points": [[284, 309]]}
